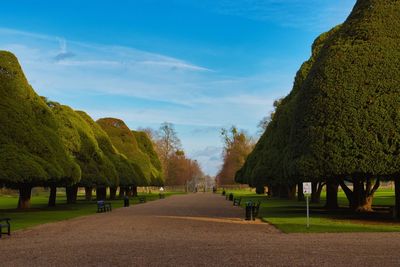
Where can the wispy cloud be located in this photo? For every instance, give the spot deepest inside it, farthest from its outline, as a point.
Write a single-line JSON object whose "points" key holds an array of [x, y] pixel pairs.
{"points": [[63, 54], [145, 88], [174, 65], [125, 56], [315, 14], [130, 72], [209, 158]]}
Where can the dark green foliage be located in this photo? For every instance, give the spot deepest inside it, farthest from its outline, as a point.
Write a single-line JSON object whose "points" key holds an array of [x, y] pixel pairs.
{"points": [[268, 162], [120, 168], [342, 119], [124, 140], [80, 141], [146, 146], [31, 153], [347, 119]]}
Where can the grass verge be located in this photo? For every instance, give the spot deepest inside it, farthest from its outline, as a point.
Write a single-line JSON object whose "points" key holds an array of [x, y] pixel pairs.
{"points": [[39, 213], [290, 215]]}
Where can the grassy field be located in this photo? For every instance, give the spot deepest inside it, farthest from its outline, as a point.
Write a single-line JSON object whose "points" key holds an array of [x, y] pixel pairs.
{"points": [[290, 215], [40, 213]]}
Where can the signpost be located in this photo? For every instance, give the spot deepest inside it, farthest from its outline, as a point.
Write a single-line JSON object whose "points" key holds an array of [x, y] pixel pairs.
{"points": [[307, 192]]}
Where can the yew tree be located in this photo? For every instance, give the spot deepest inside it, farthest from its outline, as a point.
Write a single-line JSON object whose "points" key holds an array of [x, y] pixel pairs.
{"points": [[270, 161], [115, 166], [146, 146], [80, 141], [125, 141], [346, 117], [31, 152]]}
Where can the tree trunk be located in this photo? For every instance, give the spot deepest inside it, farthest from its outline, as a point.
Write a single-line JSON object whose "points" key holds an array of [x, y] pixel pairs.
{"points": [[101, 193], [358, 188], [128, 191], [397, 193], [260, 189], [53, 195], [72, 193], [24, 201], [291, 189], [300, 194], [283, 192], [316, 189], [113, 192], [363, 197], [331, 195], [347, 191], [121, 192], [134, 191], [365, 205], [275, 191], [88, 193]]}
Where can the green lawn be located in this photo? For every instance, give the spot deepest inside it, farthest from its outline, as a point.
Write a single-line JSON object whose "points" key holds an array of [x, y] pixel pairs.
{"points": [[290, 215], [40, 213]]}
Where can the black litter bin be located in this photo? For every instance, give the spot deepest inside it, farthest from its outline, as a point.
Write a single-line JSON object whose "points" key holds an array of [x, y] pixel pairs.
{"points": [[249, 211], [253, 211], [230, 197], [223, 192], [126, 201]]}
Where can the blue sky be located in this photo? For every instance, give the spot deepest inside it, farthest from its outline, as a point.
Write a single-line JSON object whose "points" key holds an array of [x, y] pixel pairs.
{"points": [[199, 64]]}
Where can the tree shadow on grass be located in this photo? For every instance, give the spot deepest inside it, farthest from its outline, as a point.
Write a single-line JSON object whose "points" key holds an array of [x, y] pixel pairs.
{"points": [[380, 214]]}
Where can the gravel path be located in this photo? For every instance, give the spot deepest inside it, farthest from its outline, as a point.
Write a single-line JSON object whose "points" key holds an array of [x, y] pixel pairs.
{"points": [[189, 230]]}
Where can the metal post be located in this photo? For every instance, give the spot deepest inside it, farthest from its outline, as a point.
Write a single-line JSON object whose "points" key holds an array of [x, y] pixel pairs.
{"points": [[308, 213]]}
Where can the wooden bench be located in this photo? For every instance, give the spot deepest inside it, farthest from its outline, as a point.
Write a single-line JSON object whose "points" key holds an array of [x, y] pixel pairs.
{"points": [[5, 223], [142, 199], [103, 206], [237, 201]]}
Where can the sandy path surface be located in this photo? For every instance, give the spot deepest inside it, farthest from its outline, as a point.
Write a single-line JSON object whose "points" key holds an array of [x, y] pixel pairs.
{"points": [[189, 230]]}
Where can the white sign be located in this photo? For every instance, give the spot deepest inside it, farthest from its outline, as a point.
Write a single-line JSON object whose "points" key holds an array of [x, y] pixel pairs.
{"points": [[161, 189], [307, 188], [307, 191]]}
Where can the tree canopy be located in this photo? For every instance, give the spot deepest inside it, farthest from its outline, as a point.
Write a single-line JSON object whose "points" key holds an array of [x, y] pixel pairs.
{"points": [[237, 146], [341, 120], [120, 168], [125, 141], [31, 151], [146, 146], [347, 114], [80, 141], [268, 162]]}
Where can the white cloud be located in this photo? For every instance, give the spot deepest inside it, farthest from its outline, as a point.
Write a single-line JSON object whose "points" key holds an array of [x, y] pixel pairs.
{"points": [[145, 88], [209, 159], [174, 64], [130, 72]]}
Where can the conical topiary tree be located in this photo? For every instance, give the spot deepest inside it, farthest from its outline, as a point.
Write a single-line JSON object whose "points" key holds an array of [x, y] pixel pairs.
{"points": [[31, 153], [268, 162], [146, 146], [125, 141], [119, 171], [346, 123], [80, 141]]}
